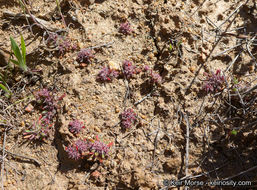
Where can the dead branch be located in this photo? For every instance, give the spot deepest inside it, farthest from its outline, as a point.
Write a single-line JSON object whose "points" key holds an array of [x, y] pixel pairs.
{"points": [[44, 24]]}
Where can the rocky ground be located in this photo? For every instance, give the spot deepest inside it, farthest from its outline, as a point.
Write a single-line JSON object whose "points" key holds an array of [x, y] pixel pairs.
{"points": [[192, 87]]}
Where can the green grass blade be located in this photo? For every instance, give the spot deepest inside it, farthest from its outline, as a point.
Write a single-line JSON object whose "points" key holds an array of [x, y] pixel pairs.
{"points": [[23, 49], [16, 50], [7, 92], [15, 62]]}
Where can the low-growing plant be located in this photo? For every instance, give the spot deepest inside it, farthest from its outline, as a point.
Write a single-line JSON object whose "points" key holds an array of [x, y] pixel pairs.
{"points": [[85, 56], [76, 126], [73, 152], [98, 149], [39, 130], [154, 76], [128, 69], [125, 28], [48, 103], [128, 118], [62, 43], [106, 74], [88, 148], [214, 82], [4, 86], [19, 53]]}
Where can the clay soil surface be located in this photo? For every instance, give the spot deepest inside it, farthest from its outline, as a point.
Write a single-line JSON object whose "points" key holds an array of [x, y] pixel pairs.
{"points": [[182, 130]]}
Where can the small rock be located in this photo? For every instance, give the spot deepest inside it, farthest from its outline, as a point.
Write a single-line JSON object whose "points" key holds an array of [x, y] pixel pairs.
{"points": [[114, 65], [96, 174], [29, 108]]}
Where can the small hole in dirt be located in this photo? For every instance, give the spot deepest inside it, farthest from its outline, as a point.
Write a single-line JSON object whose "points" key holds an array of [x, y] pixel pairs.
{"points": [[225, 41], [220, 17], [202, 21]]}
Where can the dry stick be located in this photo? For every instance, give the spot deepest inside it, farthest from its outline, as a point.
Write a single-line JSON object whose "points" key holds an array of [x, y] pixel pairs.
{"points": [[46, 25], [21, 156], [230, 15], [209, 21], [245, 126], [24, 12], [187, 144], [3, 157], [234, 60], [198, 8], [243, 172], [202, 174], [127, 92], [60, 11], [155, 143], [250, 90], [247, 47], [145, 97], [227, 50]]}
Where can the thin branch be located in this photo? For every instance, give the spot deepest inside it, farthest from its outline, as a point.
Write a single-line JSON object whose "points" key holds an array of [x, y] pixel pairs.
{"points": [[230, 15], [243, 172], [155, 143], [21, 156], [145, 97], [3, 158], [187, 143]]}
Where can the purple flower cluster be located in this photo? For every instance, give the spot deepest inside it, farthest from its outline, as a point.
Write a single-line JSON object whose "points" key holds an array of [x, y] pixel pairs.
{"points": [[49, 104], [128, 118], [155, 77], [62, 43], [76, 126], [125, 28], [214, 82], [39, 130], [81, 148], [107, 74], [73, 152], [84, 56], [99, 148], [128, 69], [48, 101]]}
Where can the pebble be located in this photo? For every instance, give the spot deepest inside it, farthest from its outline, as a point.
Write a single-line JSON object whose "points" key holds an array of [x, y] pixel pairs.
{"points": [[29, 108], [97, 129], [114, 65]]}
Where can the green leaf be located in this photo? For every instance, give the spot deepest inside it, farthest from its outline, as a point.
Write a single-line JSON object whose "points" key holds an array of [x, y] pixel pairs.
{"points": [[235, 81], [179, 43], [7, 92], [16, 50], [23, 49], [170, 47], [21, 60], [234, 132], [15, 62]]}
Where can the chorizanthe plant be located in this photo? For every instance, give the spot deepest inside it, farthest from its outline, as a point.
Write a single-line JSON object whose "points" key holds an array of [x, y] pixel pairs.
{"points": [[106, 74], [73, 152], [49, 105], [39, 130], [154, 76], [214, 82], [82, 148], [125, 28], [128, 118], [62, 43], [76, 126], [48, 101], [128, 69], [85, 56], [98, 149]]}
